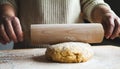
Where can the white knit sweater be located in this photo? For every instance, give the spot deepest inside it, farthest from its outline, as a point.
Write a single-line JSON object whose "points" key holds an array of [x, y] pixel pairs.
{"points": [[51, 12]]}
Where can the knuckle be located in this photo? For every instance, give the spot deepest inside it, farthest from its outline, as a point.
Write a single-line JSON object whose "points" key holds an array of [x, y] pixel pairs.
{"points": [[112, 25], [109, 16], [8, 17], [16, 20]]}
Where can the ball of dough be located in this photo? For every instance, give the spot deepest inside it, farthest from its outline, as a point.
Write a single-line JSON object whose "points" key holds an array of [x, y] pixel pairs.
{"points": [[69, 52]]}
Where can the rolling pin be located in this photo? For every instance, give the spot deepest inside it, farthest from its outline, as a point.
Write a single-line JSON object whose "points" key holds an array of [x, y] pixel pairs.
{"points": [[57, 33]]}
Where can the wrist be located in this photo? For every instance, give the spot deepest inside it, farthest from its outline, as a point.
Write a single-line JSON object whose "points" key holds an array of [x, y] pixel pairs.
{"points": [[99, 11], [7, 10]]}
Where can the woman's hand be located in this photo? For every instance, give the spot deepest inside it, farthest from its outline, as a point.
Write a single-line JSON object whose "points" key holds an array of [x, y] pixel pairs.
{"points": [[111, 24], [110, 21], [10, 28]]}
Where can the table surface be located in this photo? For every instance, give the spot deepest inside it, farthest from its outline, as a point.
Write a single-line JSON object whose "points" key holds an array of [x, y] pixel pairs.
{"points": [[105, 57]]}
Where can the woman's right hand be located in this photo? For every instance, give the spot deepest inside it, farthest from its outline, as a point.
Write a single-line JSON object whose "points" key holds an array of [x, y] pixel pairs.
{"points": [[10, 28]]}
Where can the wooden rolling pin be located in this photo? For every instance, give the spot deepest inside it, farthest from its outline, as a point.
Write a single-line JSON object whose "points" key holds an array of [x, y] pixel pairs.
{"points": [[57, 33]]}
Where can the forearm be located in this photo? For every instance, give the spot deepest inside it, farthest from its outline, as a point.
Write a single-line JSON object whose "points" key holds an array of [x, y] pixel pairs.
{"points": [[98, 12]]}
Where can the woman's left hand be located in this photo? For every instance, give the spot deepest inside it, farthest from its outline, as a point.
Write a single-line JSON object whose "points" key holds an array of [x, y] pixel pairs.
{"points": [[111, 24]]}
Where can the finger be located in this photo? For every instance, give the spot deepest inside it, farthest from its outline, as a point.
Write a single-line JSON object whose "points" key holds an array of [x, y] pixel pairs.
{"points": [[4, 37], [110, 27], [117, 29], [9, 29], [17, 29], [104, 26]]}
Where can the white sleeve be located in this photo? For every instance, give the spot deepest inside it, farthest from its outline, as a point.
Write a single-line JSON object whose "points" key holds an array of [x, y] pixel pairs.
{"points": [[88, 5]]}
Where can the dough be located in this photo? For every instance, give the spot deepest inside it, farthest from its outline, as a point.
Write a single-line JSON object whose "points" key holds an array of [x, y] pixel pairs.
{"points": [[69, 52]]}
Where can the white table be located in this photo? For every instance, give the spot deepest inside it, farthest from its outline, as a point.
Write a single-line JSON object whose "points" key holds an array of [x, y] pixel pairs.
{"points": [[105, 57]]}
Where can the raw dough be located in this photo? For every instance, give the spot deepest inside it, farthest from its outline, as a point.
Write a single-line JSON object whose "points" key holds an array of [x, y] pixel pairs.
{"points": [[69, 52]]}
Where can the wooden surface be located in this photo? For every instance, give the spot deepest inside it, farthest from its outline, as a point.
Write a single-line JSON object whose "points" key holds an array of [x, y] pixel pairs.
{"points": [[58, 33], [105, 57]]}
